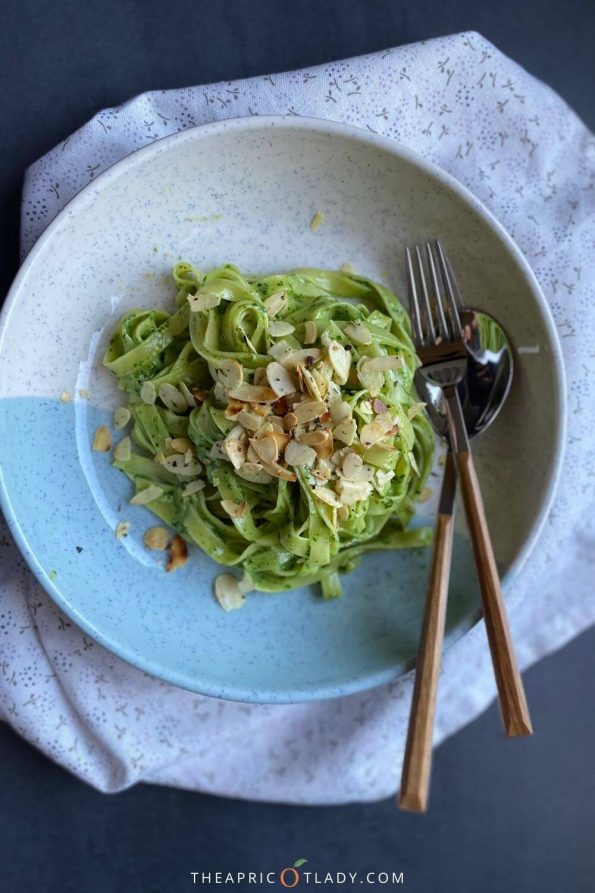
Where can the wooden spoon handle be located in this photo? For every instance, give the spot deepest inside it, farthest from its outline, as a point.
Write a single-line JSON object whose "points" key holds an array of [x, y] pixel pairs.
{"points": [[415, 778], [513, 703]]}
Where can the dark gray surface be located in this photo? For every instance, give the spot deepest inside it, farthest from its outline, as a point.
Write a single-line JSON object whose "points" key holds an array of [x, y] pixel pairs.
{"points": [[513, 815]]}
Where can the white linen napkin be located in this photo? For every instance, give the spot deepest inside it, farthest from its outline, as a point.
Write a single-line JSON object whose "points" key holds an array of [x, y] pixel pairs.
{"points": [[524, 153]]}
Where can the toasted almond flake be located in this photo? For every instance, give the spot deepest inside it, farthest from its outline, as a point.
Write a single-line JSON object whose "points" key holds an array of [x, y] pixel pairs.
{"points": [[181, 444], [275, 303], [301, 357], [352, 465], [249, 420], [228, 592], [122, 529], [252, 393], [217, 451], [279, 471], [323, 470], [345, 431], [320, 379], [66, 397], [122, 416], [325, 339], [310, 382], [149, 494], [177, 553], [279, 350], [254, 472], [203, 302], [260, 375], [193, 487], [346, 268], [340, 411], [372, 381], [148, 394], [281, 381], [358, 332], [266, 448], [343, 512], [339, 455], [84, 394], [171, 397], [381, 479], [310, 332], [325, 494], [372, 433], [156, 538], [340, 360], [279, 328], [187, 394], [200, 394], [315, 438], [123, 450], [230, 374], [249, 344], [290, 421], [366, 407], [234, 446], [182, 465], [380, 364], [251, 454], [234, 509], [299, 454], [308, 411], [378, 406], [102, 441], [353, 491], [317, 221]]}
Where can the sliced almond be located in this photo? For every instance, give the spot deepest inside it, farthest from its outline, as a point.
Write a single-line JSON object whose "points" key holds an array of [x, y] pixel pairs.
{"points": [[193, 487], [279, 328], [310, 332], [203, 302], [217, 451], [200, 394], [230, 374], [358, 332], [251, 454], [149, 494], [279, 471], [310, 383], [281, 381], [122, 416], [299, 454], [234, 509], [301, 357], [352, 465], [275, 303], [325, 494], [181, 444], [279, 350], [171, 397], [102, 441], [66, 397], [123, 451], [249, 420], [353, 491], [254, 472], [372, 381], [380, 364], [260, 375], [373, 432], [187, 394], [308, 410], [177, 553], [266, 448], [253, 393], [84, 394], [340, 360], [228, 592], [290, 421], [340, 411], [323, 470], [381, 479], [148, 394], [234, 446], [181, 465], [122, 529], [343, 512], [156, 538], [345, 431], [317, 220]]}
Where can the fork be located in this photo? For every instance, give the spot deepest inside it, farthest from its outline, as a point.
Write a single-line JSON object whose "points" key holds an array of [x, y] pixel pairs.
{"points": [[438, 338]]}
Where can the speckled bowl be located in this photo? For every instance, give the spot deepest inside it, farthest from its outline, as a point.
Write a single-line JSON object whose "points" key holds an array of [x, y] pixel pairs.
{"points": [[245, 191]]}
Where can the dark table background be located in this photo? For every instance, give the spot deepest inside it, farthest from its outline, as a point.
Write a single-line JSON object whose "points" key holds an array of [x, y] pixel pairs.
{"points": [[514, 815]]}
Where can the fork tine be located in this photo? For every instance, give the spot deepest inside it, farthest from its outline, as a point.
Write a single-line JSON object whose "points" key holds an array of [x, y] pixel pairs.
{"points": [[453, 295], [414, 304], [438, 300], [431, 331]]}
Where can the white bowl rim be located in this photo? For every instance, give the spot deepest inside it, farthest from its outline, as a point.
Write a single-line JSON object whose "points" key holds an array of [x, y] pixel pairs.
{"points": [[366, 137]]}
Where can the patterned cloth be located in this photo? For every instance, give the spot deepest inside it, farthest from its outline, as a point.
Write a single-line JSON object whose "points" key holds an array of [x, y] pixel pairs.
{"points": [[525, 154]]}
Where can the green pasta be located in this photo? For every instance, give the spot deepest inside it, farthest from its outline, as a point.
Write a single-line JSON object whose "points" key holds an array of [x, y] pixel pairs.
{"points": [[275, 422]]}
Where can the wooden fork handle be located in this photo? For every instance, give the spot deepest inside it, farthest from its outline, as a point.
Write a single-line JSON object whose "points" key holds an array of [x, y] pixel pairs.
{"points": [[513, 703], [415, 778]]}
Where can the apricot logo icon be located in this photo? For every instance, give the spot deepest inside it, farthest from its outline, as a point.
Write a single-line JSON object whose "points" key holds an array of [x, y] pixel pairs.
{"points": [[290, 877]]}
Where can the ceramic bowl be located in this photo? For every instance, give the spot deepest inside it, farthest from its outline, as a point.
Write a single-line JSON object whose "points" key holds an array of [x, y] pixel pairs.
{"points": [[244, 191]]}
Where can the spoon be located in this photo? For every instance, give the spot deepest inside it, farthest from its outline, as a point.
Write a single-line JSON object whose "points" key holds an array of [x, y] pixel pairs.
{"points": [[482, 391]]}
